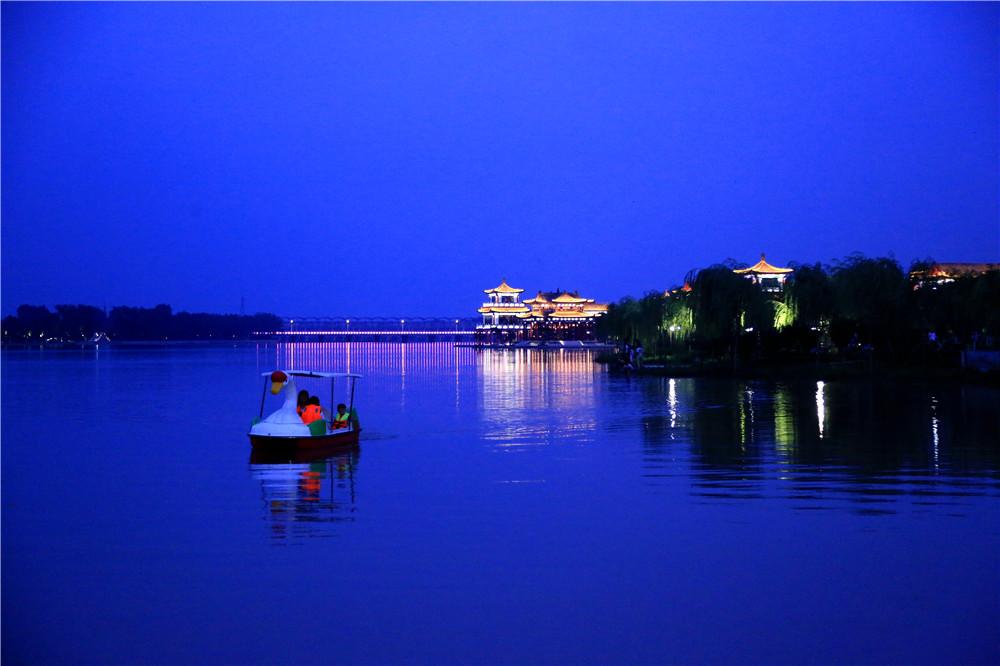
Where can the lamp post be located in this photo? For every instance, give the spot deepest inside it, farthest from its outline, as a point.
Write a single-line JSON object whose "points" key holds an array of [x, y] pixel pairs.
{"points": [[402, 324], [456, 326], [348, 326]]}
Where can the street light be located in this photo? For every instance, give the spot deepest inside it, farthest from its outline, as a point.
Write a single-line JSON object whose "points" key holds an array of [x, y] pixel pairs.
{"points": [[348, 325], [456, 326], [402, 322]]}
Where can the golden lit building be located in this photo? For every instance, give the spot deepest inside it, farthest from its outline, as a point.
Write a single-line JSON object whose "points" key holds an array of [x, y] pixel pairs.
{"points": [[562, 315], [552, 315], [770, 278], [502, 309]]}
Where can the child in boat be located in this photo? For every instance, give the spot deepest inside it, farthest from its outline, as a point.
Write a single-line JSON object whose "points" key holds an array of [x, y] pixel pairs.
{"points": [[342, 418], [312, 411]]}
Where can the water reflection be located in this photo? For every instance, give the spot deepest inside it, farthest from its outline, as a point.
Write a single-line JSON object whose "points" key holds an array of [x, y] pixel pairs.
{"points": [[823, 446], [307, 498], [532, 397], [820, 406]]}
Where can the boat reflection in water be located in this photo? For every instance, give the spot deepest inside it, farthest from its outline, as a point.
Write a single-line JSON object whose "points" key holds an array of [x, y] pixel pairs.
{"points": [[307, 495]]}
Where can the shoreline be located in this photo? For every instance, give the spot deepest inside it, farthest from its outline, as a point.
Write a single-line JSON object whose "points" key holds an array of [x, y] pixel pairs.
{"points": [[831, 371]]}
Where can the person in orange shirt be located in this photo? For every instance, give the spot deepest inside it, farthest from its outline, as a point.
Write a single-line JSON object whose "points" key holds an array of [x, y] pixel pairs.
{"points": [[312, 411]]}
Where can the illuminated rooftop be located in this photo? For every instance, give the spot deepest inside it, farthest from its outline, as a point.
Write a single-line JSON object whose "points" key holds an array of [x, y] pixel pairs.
{"points": [[566, 297], [503, 288], [537, 300], [763, 268]]}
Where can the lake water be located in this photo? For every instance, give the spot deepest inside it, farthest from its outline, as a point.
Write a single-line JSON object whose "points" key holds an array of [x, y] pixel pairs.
{"points": [[504, 507]]}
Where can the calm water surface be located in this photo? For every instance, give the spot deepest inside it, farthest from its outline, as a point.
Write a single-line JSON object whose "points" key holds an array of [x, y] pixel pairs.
{"points": [[504, 507]]}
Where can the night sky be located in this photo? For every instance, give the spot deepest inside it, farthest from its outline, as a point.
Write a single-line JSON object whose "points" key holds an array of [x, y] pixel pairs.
{"points": [[396, 159]]}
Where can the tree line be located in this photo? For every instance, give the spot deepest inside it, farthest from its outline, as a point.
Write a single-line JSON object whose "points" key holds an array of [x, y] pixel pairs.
{"points": [[73, 323], [855, 305]]}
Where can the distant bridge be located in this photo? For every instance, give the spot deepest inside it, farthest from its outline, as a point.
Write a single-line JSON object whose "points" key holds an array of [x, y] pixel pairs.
{"points": [[319, 335], [367, 329]]}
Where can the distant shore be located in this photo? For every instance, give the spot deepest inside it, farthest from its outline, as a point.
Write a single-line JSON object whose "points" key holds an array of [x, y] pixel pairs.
{"points": [[822, 371]]}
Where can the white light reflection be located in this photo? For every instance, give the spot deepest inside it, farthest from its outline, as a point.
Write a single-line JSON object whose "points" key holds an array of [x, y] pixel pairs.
{"points": [[934, 430], [820, 407], [672, 403]]}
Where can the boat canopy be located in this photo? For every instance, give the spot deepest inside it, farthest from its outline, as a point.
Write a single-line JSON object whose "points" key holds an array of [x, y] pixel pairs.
{"points": [[309, 373]]}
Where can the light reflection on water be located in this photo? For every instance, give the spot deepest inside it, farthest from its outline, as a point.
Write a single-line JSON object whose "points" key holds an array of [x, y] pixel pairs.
{"points": [[497, 491], [853, 447], [822, 446]]}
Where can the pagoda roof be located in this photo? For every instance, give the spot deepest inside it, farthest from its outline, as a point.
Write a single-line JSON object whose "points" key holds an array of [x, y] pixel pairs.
{"points": [[503, 308], [595, 307], [566, 297], [762, 267], [539, 298], [503, 288]]}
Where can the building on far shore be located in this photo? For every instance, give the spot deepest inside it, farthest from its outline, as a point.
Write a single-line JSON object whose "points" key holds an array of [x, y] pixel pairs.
{"points": [[937, 274], [558, 315], [500, 312], [771, 279]]}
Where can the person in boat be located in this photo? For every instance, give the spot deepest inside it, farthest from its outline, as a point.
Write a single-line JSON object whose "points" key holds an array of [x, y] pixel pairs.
{"points": [[302, 401], [312, 411], [342, 418]]}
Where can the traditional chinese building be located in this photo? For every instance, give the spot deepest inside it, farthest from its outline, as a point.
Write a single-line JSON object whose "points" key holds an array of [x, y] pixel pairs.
{"points": [[547, 316], [770, 278], [936, 274], [500, 312]]}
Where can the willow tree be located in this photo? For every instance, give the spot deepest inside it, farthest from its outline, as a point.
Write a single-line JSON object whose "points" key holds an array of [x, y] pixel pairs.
{"points": [[873, 295], [723, 304], [809, 296], [635, 321]]}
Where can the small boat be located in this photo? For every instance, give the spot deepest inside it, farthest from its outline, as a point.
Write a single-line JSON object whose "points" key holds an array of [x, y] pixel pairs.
{"points": [[283, 431]]}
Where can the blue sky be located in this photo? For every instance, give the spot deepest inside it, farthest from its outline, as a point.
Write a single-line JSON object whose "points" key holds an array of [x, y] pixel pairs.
{"points": [[352, 159]]}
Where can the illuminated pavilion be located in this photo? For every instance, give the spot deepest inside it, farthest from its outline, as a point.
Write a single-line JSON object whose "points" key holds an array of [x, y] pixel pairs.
{"points": [[558, 315], [501, 311], [770, 278]]}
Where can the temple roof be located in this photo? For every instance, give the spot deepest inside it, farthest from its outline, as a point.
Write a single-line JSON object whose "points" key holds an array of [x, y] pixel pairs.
{"points": [[595, 307], [762, 267], [539, 298], [503, 308], [566, 297], [503, 288]]}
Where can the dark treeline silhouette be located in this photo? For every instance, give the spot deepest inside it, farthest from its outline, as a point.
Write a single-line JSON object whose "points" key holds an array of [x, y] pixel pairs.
{"points": [[77, 323], [858, 306]]}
